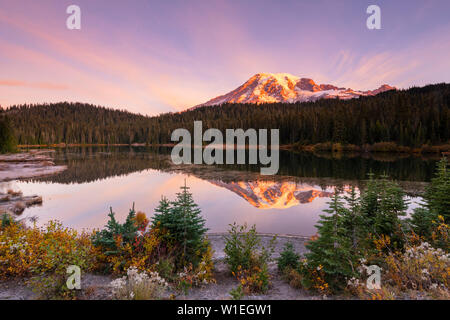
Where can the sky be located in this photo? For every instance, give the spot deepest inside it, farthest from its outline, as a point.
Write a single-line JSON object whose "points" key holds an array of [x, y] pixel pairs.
{"points": [[152, 57]]}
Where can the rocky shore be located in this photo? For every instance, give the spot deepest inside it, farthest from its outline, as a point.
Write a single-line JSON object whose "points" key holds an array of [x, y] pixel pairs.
{"points": [[30, 164], [23, 165], [13, 202]]}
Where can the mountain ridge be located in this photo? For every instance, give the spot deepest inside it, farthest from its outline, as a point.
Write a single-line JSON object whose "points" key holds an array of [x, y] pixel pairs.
{"points": [[284, 87]]}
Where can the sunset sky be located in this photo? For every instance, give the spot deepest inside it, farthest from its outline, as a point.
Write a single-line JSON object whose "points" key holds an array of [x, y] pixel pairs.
{"points": [[158, 56]]}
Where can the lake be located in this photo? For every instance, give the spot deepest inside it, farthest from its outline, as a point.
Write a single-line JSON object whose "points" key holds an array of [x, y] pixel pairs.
{"points": [[98, 178]]}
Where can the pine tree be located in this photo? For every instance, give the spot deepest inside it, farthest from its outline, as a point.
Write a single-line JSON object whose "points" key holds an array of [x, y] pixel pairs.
{"points": [[352, 218], [382, 203], [332, 250], [436, 202], [369, 200], [107, 237], [185, 226], [392, 205], [437, 195], [422, 221]]}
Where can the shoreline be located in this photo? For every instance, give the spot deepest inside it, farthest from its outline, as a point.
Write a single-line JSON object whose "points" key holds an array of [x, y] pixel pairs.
{"points": [[327, 147], [97, 286], [29, 164], [24, 165]]}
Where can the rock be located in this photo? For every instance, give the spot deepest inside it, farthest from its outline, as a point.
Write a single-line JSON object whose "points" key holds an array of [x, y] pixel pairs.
{"points": [[16, 203]]}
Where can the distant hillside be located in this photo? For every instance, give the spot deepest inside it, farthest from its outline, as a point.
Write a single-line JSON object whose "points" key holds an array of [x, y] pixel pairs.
{"points": [[412, 117], [76, 123]]}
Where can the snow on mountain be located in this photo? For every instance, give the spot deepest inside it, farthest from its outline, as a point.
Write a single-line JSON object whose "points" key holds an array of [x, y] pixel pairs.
{"points": [[284, 87], [273, 195]]}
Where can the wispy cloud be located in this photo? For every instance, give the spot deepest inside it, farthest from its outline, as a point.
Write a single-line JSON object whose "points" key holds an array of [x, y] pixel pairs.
{"points": [[39, 85], [153, 56]]}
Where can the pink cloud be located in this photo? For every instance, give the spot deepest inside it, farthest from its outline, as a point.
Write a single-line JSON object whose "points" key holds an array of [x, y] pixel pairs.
{"points": [[40, 85]]}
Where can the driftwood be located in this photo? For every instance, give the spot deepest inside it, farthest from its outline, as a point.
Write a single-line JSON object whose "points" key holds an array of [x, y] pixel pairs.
{"points": [[15, 203]]}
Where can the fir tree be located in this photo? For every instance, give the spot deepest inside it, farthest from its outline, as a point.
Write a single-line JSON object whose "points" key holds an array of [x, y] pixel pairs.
{"points": [[332, 250], [382, 203], [369, 200], [107, 237], [352, 218], [422, 221], [392, 206], [436, 202], [437, 195], [183, 222]]}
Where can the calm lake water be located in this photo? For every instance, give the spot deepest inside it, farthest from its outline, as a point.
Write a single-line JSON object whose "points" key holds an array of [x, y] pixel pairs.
{"points": [[289, 203]]}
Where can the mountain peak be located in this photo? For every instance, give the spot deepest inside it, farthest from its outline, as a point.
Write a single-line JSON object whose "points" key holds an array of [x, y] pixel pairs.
{"points": [[285, 87]]}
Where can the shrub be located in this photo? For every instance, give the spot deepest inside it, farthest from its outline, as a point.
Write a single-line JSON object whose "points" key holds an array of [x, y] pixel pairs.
{"points": [[35, 251], [6, 220], [420, 268], [419, 272], [254, 280], [44, 254], [440, 235], [165, 268], [139, 286], [243, 248], [294, 278], [311, 278], [247, 260], [237, 293], [144, 252], [203, 274], [288, 258]]}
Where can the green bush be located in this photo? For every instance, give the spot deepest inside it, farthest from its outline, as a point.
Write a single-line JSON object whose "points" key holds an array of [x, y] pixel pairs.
{"points": [[243, 249], [237, 293], [6, 220], [288, 258], [247, 259]]}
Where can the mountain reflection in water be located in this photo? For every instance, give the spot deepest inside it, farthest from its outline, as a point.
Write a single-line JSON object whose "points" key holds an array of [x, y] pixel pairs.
{"points": [[100, 177]]}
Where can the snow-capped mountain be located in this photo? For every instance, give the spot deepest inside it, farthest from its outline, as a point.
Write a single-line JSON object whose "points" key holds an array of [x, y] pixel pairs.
{"points": [[284, 87], [273, 195]]}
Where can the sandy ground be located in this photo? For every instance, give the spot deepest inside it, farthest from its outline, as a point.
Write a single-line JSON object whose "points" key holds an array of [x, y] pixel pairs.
{"points": [[97, 286], [280, 290]]}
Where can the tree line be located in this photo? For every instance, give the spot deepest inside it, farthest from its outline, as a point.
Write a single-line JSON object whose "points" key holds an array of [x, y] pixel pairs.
{"points": [[7, 138], [412, 118]]}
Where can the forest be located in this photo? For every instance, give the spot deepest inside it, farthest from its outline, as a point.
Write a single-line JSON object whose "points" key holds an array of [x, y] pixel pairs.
{"points": [[412, 118]]}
